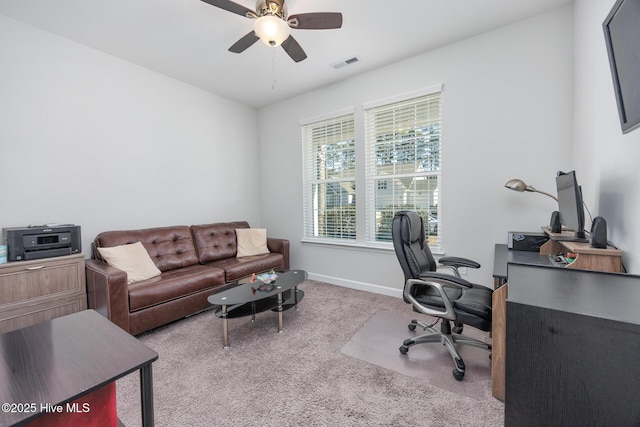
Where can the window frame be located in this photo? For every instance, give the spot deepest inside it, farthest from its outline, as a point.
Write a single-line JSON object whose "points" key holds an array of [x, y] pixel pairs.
{"points": [[372, 178], [310, 172], [362, 176]]}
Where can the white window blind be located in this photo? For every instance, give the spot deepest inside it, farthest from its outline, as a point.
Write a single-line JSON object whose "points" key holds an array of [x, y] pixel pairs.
{"points": [[403, 148], [329, 166]]}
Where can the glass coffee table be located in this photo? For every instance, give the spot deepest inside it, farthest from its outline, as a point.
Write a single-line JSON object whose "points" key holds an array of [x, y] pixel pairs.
{"points": [[246, 298]]}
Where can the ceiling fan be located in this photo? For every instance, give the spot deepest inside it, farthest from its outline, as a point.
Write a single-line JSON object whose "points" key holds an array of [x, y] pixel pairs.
{"points": [[273, 25]]}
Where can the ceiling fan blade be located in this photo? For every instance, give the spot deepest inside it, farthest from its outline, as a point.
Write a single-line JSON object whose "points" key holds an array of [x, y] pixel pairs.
{"points": [[316, 21], [231, 7], [293, 49], [244, 43]]}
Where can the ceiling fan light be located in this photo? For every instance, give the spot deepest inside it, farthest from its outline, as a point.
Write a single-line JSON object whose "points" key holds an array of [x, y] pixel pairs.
{"points": [[271, 30]]}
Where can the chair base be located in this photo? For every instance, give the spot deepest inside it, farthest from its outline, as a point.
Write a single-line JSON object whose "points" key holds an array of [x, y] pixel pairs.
{"points": [[446, 337]]}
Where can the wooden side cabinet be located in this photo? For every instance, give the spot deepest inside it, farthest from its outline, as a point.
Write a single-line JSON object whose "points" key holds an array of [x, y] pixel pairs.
{"points": [[572, 345], [39, 290]]}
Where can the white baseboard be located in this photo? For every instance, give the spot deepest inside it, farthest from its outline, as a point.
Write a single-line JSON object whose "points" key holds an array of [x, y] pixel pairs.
{"points": [[354, 284]]}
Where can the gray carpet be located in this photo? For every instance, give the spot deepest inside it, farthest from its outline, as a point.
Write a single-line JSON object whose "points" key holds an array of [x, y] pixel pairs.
{"points": [[298, 377]]}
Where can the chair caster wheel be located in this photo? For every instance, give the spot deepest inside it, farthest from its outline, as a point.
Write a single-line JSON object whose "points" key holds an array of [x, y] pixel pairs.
{"points": [[404, 349], [458, 375], [412, 327]]}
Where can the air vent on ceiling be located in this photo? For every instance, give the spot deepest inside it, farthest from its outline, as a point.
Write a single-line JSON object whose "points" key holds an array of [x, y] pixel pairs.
{"points": [[346, 62]]}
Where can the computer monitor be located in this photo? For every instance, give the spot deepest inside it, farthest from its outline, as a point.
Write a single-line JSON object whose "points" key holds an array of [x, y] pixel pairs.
{"points": [[570, 204]]}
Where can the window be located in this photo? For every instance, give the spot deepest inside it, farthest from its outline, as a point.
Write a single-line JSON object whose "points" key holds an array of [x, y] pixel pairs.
{"points": [[398, 164], [329, 178], [403, 164]]}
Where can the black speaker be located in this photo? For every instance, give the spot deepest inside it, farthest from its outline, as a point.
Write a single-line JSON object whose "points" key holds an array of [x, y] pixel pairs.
{"points": [[599, 233], [554, 224]]}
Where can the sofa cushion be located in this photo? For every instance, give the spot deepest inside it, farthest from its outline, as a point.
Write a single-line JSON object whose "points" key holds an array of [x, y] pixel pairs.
{"points": [[238, 268], [174, 284], [133, 259], [251, 241], [216, 241], [168, 247]]}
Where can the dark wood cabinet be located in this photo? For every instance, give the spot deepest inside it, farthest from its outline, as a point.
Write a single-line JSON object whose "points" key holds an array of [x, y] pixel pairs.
{"points": [[587, 259], [572, 345]]}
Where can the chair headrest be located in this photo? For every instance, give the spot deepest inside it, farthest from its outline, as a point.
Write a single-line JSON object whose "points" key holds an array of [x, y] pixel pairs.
{"points": [[414, 229]]}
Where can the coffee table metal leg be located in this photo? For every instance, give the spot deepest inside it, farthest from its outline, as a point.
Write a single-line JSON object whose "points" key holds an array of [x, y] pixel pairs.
{"points": [[295, 296], [225, 328], [280, 312]]}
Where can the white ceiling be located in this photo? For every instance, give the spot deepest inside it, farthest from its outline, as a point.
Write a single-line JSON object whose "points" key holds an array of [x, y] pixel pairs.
{"points": [[188, 39]]}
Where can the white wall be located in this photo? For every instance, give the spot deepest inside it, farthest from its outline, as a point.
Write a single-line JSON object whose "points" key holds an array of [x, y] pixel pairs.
{"points": [[90, 139], [507, 112], [605, 159]]}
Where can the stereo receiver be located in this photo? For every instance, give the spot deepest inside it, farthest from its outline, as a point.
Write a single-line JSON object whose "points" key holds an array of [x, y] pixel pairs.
{"points": [[526, 241]]}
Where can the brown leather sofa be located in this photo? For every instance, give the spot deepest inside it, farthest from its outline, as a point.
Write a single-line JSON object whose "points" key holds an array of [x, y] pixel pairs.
{"points": [[195, 262]]}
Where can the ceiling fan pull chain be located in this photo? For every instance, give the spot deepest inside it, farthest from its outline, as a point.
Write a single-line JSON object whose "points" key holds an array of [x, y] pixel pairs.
{"points": [[273, 68]]}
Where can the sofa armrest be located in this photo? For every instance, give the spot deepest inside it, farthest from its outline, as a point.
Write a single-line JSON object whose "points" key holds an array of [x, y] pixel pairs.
{"points": [[108, 292], [280, 246]]}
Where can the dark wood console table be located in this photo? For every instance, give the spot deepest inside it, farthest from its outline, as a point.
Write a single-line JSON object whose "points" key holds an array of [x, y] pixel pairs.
{"points": [[61, 360], [572, 348], [588, 258]]}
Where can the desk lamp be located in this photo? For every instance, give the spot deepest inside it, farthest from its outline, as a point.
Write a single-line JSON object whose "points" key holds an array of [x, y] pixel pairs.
{"points": [[519, 185]]}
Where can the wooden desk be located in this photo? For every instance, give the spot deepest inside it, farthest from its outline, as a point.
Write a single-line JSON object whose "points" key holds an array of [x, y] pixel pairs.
{"points": [[503, 256], [588, 258], [572, 348], [63, 359]]}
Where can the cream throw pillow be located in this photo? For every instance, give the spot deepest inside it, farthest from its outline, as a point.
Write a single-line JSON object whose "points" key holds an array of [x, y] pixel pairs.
{"points": [[251, 241], [132, 259]]}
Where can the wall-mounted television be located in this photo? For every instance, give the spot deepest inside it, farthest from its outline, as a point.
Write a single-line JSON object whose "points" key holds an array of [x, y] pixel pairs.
{"points": [[622, 37]]}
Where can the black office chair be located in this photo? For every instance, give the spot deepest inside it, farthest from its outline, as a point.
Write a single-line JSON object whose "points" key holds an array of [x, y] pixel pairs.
{"points": [[443, 295]]}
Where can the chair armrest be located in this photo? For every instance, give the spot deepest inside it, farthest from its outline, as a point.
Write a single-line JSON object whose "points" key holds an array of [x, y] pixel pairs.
{"points": [[436, 281], [448, 312], [458, 262], [446, 279], [454, 263], [280, 246], [108, 292]]}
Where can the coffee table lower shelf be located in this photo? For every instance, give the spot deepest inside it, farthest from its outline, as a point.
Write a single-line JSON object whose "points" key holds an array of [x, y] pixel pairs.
{"points": [[290, 299], [245, 298], [255, 307]]}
